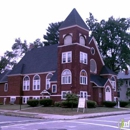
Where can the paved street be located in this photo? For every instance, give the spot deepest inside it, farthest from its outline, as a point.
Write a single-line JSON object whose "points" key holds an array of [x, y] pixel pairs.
{"points": [[100, 123]]}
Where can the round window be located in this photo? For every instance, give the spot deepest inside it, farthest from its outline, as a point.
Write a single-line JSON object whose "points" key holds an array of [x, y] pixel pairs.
{"points": [[92, 51]]}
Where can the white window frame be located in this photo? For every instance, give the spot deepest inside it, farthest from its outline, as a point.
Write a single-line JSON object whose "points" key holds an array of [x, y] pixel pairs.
{"points": [[36, 97], [113, 83], [48, 84], [84, 94], [64, 93], [83, 58], [95, 71], [81, 40], [26, 84], [12, 99], [53, 88], [6, 87], [26, 99], [36, 83], [66, 79], [83, 78], [67, 57], [68, 39]]}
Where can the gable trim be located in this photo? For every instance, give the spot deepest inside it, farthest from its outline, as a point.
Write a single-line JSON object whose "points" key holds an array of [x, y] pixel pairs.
{"points": [[97, 49], [72, 27], [107, 74]]}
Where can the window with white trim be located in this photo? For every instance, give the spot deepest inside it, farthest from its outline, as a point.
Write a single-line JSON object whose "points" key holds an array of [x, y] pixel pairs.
{"points": [[25, 99], [93, 66], [83, 58], [36, 97], [64, 93], [6, 87], [26, 83], [36, 82], [68, 40], [81, 40], [84, 94], [54, 88], [67, 57], [66, 77], [83, 77], [12, 99], [113, 82], [48, 77]]}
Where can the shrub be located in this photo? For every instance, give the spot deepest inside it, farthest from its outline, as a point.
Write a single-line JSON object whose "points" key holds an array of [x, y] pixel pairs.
{"points": [[109, 103], [46, 102], [91, 104], [1, 103], [57, 104], [123, 103], [70, 104], [33, 102]]}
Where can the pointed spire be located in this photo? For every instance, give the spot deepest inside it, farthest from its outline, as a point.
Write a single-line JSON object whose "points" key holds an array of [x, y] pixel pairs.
{"points": [[74, 19]]}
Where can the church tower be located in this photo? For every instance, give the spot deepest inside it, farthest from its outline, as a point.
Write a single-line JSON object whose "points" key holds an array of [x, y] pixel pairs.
{"points": [[73, 56]]}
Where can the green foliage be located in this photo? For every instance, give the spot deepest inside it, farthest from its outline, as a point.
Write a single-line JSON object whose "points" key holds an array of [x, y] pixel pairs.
{"points": [[123, 103], [128, 92], [57, 104], [70, 104], [109, 103], [91, 104], [46, 102], [113, 40], [52, 34], [33, 102]]}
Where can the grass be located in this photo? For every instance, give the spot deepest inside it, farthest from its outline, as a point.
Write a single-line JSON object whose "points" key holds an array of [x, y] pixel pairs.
{"points": [[57, 110]]}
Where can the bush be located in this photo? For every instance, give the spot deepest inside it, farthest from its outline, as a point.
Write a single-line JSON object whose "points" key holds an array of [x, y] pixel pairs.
{"points": [[33, 102], [1, 103], [123, 103], [46, 102], [109, 103], [70, 104], [57, 104], [91, 104]]}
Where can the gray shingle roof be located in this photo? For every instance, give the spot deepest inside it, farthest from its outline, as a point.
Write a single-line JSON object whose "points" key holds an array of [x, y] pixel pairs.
{"points": [[122, 75], [54, 77], [3, 76], [106, 70], [100, 81], [74, 19], [37, 60]]}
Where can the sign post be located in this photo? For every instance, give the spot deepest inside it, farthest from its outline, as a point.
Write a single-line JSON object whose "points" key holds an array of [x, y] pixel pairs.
{"points": [[81, 104]]}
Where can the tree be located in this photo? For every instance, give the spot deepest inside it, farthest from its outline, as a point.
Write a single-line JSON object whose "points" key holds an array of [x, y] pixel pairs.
{"points": [[113, 40], [52, 34]]}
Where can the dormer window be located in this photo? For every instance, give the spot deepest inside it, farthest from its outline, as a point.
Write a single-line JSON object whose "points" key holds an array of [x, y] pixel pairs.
{"points": [[81, 40], [68, 40]]}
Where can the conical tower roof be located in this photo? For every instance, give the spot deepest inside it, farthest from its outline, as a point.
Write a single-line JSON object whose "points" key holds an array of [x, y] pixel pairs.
{"points": [[74, 19]]}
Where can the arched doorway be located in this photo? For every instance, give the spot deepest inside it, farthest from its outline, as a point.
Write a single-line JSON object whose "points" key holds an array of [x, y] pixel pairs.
{"points": [[108, 94]]}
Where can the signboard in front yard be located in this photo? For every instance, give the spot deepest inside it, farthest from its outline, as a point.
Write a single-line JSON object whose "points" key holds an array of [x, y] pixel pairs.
{"points": [[81, 104]]}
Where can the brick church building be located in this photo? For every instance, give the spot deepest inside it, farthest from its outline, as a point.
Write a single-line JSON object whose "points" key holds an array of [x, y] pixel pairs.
{"points": [[73, 65]]}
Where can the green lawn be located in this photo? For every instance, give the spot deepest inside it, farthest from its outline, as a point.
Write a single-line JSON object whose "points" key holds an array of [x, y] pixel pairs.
{"points": [[57, 110]]}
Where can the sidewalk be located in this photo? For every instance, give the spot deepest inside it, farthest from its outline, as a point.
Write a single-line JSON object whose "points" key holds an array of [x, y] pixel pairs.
{"points": [[61, 117]]}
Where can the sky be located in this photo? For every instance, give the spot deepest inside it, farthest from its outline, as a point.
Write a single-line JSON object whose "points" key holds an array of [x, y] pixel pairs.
{"points": [[29, 19]]}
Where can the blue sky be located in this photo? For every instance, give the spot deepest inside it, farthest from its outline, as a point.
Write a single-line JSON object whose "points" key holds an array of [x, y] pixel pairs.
{"points": [[29, 19]]}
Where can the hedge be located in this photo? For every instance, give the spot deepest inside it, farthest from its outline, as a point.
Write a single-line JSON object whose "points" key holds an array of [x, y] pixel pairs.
{"points": [[70, 104], [91, 104], [109, 103], [57, 104], [123, 103], [33, 102], [46, 102]]}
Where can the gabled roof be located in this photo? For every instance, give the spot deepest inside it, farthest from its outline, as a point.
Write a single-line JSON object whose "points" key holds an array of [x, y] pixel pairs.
{"points": [[37, 60], [122, 75], [99, 81], [3, 76], [105, 71], [74, 19]]}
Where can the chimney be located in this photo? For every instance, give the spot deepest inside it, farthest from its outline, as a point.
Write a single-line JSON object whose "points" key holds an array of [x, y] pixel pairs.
{"points": [[126, 72]]}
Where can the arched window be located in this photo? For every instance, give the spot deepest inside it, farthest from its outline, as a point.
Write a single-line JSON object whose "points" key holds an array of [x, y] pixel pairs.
{"points": [[83, 77], [48, 77], [92, 51], [68, 40], [66, 77], [26, 83], [81, 40], [6, 87], [36, 82], [93, 66], [108, 94], [113, 82]]}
